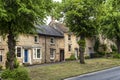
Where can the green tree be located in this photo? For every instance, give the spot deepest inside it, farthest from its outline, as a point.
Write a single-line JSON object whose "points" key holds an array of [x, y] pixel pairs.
{"points": [[110, 21], [20, 17], [81, 16]]}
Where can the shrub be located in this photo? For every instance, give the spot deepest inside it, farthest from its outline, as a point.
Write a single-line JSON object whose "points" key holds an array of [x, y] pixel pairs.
{"points": [[1, 67], [114, 48], [72, 57], [16, 63], [100, 54], [87, 57], [97, 55], [16, 74], [116, 55]]}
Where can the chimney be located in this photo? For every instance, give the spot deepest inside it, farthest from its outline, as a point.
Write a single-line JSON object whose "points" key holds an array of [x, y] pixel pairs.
{"points": [[52, 21]]}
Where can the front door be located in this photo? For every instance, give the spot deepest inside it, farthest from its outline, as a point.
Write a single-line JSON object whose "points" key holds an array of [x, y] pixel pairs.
{"points": [[61, 55], [25, 55], [76, 53]]}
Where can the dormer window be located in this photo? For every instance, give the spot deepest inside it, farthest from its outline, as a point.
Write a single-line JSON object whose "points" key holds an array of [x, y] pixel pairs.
{"points": [[52, 40], [36, 39]]}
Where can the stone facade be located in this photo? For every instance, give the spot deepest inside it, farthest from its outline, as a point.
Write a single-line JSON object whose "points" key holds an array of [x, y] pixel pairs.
{"points": [[70, 40], [26, 46], [41, 48], [71, 46], [89, 48], [55, 44]]}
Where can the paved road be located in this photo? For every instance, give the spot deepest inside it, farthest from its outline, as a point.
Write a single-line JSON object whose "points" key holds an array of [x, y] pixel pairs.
{"points": [[109, 74]]}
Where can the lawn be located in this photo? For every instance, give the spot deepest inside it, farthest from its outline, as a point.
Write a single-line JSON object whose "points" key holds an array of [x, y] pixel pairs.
{"points": [[69, 69]]}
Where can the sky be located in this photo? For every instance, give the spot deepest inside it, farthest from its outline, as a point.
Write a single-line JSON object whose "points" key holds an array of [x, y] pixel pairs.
{"points": [[57, 0], [49, 18]]}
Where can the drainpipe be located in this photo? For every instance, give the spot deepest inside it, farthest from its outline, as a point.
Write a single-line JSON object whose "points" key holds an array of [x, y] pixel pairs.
{"points": [[45, 50]]}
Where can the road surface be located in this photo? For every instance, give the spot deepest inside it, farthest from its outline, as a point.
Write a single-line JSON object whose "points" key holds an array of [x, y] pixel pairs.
{"points": [[109, 74]]}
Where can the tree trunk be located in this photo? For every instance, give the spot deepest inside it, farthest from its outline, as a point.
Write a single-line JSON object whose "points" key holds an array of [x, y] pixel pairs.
{"points": [[81, 50], [118, 45], [82, 61], [11, 48]]}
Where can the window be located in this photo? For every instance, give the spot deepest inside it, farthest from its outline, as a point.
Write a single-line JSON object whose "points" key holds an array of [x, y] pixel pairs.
{"points": [[69, 37], [18, 51], [36, 39], [52, 53], [69, 47], [37, 53], [52, 40], [1, 55]]}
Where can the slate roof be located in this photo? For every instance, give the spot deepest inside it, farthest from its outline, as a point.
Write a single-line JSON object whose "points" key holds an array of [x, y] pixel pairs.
{"points": [[60, 27], [48, 31]]}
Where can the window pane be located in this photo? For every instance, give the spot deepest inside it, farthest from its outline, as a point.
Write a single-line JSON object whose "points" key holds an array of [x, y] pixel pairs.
{"points": [[52, 40], [36, 39], [38, 53], [52, 52], [69, 47], [0, 58], [69, 37], [18, 52]]}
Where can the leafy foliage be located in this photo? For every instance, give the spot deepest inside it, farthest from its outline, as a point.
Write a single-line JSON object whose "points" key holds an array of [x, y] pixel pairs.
{"points": [[16, 74], [81, 16], [97, 45], [110, 21], [72, 57], [20, 17], [16, 63]]}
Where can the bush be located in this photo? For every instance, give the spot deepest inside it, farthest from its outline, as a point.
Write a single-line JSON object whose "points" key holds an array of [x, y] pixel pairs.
{"points": [[16, 63], [97, 55], [114, 48], [16, 74], [116, 55], [87, 57], [1, 67], [100, 54], [72, 57]]}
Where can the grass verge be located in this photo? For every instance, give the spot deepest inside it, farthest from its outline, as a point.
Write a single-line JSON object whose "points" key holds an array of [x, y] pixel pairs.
{"points": [[71, 68]]}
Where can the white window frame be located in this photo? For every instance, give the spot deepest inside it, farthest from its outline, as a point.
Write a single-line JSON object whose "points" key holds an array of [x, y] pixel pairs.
{"points": [[16, 51], [37, 37], [53, 40], [53, 54], [35, 53]]}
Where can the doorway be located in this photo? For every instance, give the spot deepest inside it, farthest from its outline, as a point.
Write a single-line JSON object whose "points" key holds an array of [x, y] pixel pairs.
{"points": [[26, 55], [61, 55]]}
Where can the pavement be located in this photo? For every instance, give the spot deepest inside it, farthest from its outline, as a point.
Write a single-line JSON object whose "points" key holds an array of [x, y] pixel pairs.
{"points": [[108, 74]]}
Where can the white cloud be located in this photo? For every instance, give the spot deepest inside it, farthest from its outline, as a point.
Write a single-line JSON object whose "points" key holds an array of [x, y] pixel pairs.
{"points": [[57, 0]]}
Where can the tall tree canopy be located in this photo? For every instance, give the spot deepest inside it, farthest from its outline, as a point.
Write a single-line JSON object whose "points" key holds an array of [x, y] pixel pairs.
{"points": [[20, 17], [110, 21], [81, 16]]}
